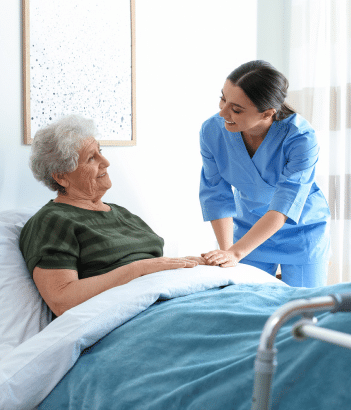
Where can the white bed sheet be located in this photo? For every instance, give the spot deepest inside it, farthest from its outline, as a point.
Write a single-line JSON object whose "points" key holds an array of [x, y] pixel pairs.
{"points": [[30, 371]]}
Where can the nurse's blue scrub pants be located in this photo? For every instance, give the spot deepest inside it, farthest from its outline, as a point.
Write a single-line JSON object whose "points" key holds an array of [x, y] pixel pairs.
{"points": [[308, 276]]}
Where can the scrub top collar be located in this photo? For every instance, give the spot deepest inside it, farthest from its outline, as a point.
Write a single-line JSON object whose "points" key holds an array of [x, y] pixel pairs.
{"points": [[258, 151]]}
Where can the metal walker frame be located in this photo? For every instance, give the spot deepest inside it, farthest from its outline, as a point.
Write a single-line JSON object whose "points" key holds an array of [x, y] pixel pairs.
{"points": [[304, 328]]}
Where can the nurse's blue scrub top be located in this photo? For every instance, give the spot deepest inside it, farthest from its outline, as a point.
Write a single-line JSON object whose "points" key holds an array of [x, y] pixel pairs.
{"points": [[280, 177]]}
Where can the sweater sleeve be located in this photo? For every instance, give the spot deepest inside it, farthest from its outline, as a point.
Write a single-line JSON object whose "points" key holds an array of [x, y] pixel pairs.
{"points": [[48, 241]]}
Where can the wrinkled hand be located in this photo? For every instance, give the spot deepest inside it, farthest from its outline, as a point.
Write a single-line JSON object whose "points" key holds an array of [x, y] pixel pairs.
{"points": [[199, 259], [224, 259], [147, 266]]}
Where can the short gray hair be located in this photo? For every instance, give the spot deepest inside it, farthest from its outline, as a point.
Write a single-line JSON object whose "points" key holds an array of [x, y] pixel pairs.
{"points": [[55, 148]]}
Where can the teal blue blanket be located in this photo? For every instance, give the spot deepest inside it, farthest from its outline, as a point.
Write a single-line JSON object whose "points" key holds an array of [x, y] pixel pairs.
{"points": [[197, 353]]}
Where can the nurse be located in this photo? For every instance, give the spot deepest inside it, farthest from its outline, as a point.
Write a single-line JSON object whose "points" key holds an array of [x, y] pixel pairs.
{"points": [[257, 183]]}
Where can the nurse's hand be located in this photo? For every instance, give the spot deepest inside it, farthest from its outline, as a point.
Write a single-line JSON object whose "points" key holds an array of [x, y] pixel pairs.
{"points": [[224, 259]]}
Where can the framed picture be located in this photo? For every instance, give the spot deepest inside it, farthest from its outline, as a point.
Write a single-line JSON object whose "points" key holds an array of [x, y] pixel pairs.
{"points": [[79, 58]]}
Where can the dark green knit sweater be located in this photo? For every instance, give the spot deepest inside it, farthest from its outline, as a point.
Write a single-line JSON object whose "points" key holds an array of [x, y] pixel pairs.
{"points": [[61, 236]]}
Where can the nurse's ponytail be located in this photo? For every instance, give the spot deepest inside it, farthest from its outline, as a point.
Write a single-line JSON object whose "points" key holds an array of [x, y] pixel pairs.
{"points": [[284, 112], [266, 87]]}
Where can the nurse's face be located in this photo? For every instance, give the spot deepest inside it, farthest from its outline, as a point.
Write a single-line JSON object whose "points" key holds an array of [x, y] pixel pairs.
{"points": [[240, 114]]}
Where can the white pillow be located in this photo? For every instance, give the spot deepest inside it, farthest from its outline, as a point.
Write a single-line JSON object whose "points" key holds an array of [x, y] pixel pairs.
{"points": [[23, 311]]}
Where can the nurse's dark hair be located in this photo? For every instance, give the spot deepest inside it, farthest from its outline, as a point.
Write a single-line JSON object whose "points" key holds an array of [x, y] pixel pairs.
{"points": [[265, 86]]}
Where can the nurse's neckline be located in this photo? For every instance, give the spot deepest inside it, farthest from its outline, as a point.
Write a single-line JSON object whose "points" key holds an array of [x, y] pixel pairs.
{"points": [[259, 136], [252, 143]]}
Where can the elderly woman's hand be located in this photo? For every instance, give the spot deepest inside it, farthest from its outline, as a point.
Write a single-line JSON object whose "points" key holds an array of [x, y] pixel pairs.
{"points": [[224, 259], [199, 259], [152, 265]]}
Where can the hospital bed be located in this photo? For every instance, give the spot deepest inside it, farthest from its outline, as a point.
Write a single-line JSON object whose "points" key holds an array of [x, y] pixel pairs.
{"points": [[182, 339]]}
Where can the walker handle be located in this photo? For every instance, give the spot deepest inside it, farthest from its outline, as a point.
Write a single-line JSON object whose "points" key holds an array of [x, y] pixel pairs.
{"points": [[342, 302]]}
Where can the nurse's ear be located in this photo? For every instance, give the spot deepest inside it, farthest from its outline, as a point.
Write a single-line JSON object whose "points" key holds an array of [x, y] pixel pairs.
{"points": [[269, 114]]}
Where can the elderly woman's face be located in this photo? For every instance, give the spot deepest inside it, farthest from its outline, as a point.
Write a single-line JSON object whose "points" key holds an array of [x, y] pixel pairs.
{"points": [[90, 180]]}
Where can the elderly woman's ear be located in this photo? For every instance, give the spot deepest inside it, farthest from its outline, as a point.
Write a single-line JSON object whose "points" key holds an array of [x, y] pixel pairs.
{"points": [[60, 179]]}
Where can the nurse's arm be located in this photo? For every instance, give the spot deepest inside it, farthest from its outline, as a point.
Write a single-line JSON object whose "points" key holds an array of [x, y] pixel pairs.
{"points": [[264, 228], [223, 229]]}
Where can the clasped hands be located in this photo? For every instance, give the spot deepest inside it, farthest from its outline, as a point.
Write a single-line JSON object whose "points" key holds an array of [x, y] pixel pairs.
{"points": [[224, 259]]}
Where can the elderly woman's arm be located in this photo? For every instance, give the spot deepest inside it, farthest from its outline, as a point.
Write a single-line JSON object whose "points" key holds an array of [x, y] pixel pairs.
{"points": [[61, 289]]}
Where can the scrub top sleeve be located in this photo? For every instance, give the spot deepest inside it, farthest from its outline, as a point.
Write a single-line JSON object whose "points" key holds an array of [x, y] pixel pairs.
{"points": [[216, 195], [297, 175]]}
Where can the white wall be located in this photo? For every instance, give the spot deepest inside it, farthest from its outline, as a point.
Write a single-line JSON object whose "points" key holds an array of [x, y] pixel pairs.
{"points": [[184, 51], [273, 19]]}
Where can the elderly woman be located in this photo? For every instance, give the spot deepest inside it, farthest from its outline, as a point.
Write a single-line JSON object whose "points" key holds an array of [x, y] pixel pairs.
{"points": [[77, 246]]}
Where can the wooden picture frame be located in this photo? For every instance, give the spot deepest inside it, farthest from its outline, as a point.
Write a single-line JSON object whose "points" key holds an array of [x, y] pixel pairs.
{"points": [[73, 64]]}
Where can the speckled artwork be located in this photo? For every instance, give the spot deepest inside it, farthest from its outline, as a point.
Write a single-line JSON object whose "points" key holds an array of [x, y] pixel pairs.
{"points": [[81, 62]]}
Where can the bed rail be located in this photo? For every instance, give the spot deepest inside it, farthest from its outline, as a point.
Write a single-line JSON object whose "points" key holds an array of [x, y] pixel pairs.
{"points": [[266, 361]]}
